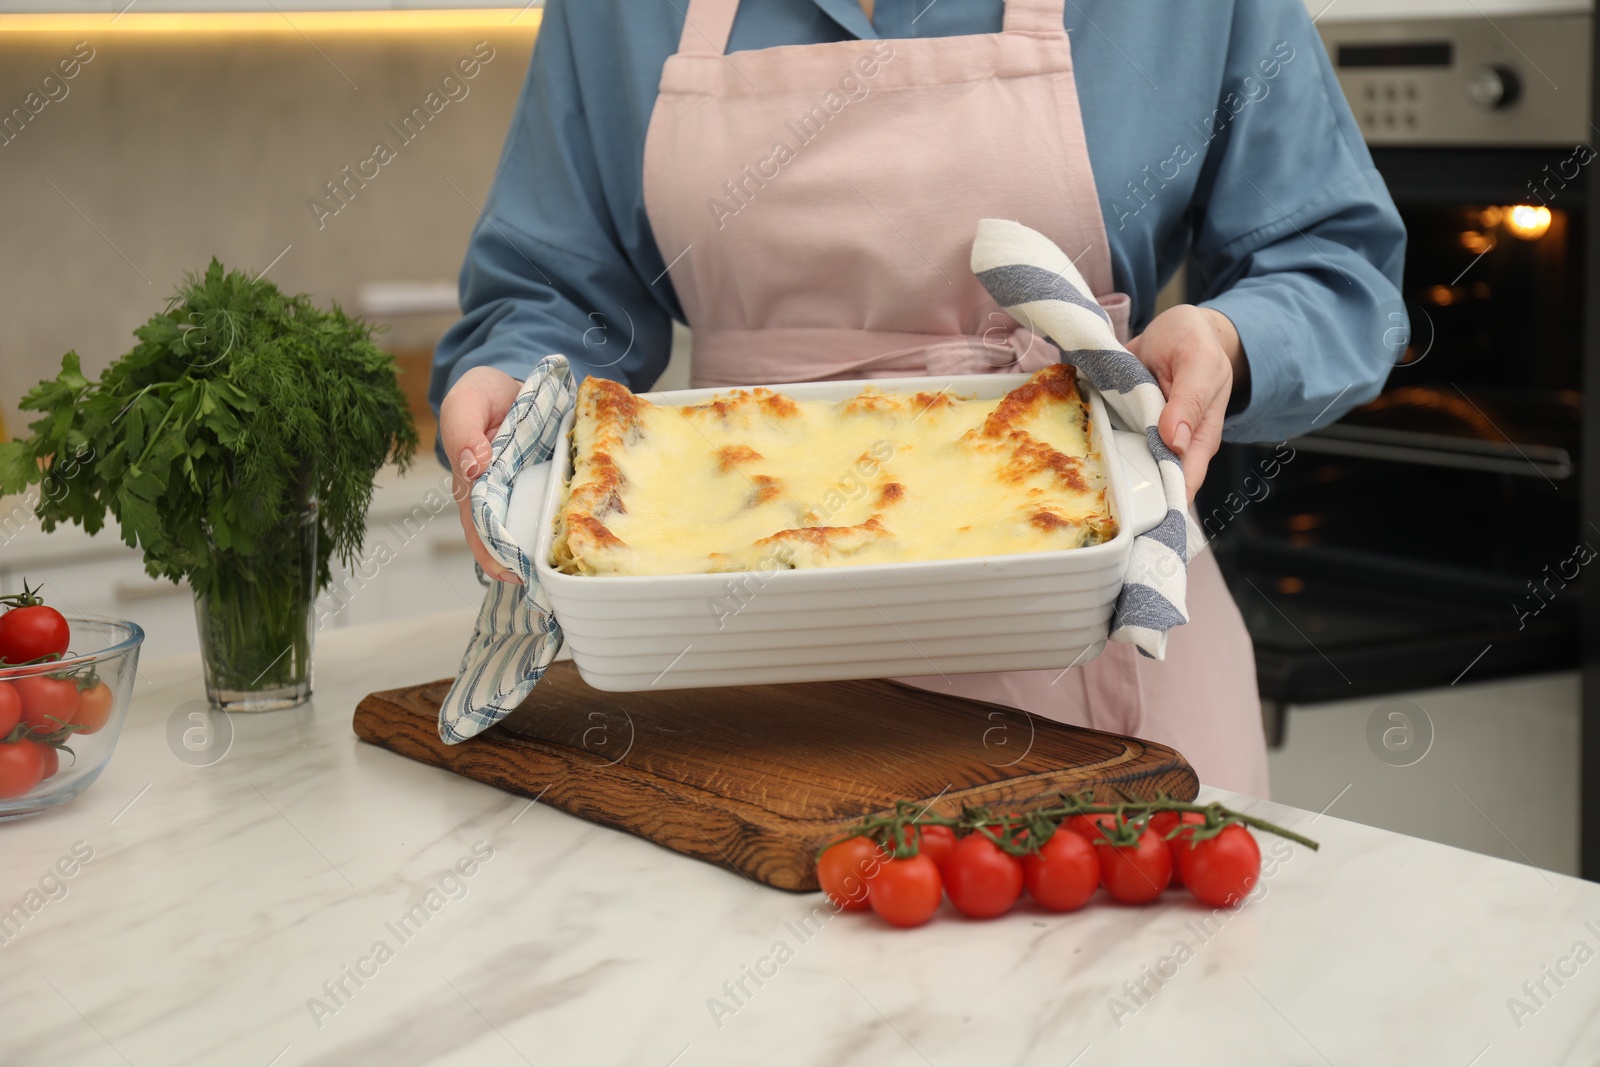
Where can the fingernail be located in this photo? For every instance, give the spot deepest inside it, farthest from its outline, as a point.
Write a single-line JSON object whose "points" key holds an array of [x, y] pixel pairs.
{"points": [[468, 462], [1180, 438]]}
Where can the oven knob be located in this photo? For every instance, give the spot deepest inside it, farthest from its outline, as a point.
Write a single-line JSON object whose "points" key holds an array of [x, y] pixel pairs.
{"points": [[1494, 86]]}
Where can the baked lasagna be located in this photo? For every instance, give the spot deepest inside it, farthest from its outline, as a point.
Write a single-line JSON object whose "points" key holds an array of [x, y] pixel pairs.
{"points": [[753, 480]]}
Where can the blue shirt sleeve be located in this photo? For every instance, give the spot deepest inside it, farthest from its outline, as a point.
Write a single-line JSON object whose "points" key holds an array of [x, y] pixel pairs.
{"points": [[1295, 237], [561, 259]]}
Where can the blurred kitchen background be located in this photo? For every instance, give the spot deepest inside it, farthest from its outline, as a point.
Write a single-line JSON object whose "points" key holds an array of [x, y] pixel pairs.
{"points": [[1411, 573]]}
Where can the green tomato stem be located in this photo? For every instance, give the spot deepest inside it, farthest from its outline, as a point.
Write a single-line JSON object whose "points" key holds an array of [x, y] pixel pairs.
{"points": [[1020, 831]]}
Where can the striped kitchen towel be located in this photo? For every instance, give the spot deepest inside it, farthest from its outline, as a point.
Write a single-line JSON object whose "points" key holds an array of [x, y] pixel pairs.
{"points": [[516, 636], [1038, 285]]}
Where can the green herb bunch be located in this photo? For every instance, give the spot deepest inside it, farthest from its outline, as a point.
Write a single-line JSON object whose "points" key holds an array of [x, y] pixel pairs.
{"points": [[239, 409]]}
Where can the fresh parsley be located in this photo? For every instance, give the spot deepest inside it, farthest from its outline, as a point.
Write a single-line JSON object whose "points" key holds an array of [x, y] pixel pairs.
{"points": [[239, 409]]}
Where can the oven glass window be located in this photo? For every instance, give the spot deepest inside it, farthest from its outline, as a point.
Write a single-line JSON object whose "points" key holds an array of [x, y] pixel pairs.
{"points": [[1469, 457]]}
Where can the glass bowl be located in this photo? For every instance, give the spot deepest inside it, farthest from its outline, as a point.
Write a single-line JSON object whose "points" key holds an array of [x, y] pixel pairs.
{"points": [[101, 652]]}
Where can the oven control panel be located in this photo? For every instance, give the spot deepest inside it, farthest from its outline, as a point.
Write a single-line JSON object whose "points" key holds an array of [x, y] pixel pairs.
{"points": [[1520, 80]]}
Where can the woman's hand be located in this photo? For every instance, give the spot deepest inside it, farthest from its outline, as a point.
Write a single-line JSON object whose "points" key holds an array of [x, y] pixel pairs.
{"points": [[1197, 359], [469, 418]]}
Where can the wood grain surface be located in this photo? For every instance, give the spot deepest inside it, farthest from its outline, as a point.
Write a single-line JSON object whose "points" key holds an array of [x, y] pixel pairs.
{"points": [[757, 778]]}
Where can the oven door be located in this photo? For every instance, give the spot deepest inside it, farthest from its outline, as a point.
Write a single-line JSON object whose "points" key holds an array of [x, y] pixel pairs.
{"points": [[1435, 531]]}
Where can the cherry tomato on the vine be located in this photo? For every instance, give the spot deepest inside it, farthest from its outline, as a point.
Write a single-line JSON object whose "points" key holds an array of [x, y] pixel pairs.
{"points": [[47, 703], [906, 892], [49, 759], [1137, 873], [937, 843], [1163, 823], [1088, 826], [1222, 870], [1064, 873], [94, 708], [981, 880], [21, 768], [844, 869], [29, 633]]}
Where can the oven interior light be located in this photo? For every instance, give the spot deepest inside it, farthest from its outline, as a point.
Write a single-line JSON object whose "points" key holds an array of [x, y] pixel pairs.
{"points": [[1489, 217], [1528, 221], [1289, 584], [1441, 295], [1475, 242]]}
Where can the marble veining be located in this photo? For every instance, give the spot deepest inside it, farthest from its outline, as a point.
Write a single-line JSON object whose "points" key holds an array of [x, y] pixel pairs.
{"points": [[234, 913]]}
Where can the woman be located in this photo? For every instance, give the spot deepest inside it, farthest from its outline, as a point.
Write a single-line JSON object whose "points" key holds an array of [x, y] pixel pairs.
{"points": [[800, 181]]}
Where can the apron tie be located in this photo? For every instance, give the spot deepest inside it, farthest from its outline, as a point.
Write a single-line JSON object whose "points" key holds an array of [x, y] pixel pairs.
{"points": [[723, 358], [998, 351]]}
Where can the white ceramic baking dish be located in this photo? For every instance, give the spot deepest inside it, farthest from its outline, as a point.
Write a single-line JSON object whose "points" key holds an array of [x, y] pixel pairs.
{"points": [[1026, 611]]}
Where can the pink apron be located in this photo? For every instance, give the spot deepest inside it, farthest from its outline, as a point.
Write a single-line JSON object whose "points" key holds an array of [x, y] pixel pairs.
{"points": [[817, 204]]}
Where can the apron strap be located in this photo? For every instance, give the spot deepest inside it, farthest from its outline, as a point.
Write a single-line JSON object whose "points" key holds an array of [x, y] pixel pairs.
{"points": [[1035, 16], [707, 23], [706, 26]]}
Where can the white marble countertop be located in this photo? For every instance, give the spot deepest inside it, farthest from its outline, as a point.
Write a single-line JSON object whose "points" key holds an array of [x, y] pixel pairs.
{"points": [[217, 902]]}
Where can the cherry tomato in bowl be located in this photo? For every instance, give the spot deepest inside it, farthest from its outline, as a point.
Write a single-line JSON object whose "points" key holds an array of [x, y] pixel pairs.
{"points": [[21, 768], [93, 709], [57, 703], [10, 708], [32, 632], [47, 702]]}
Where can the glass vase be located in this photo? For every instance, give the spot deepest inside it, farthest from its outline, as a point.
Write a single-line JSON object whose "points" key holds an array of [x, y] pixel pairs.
{"points": [[257, 620]]}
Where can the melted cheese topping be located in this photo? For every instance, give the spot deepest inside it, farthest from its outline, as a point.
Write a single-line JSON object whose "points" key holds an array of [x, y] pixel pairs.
{"points": [[753, 480]]}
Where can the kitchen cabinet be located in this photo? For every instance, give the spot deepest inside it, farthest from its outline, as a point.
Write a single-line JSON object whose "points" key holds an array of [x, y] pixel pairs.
{"points": [[1492, 766]]}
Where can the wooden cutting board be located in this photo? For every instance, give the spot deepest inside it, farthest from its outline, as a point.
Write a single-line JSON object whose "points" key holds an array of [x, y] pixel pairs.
{"points": [[757, 778]]}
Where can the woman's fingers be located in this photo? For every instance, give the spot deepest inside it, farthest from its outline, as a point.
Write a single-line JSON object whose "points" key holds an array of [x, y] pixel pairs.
{"points": [[473, 410], [1202, 449], [469, 418], [1181, 349], [1195, 414], [1191, 421], [466, 470]]}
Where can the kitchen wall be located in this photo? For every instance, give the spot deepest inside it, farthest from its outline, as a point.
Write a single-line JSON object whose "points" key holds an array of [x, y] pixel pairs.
{"points": [[167, 150]]}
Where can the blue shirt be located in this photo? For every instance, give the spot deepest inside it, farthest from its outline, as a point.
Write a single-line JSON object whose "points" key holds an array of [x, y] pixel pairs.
{"points": [[1216, 131]]}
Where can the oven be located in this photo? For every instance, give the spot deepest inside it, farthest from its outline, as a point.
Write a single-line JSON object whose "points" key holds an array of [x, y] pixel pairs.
{"points": [[1436, 533]]}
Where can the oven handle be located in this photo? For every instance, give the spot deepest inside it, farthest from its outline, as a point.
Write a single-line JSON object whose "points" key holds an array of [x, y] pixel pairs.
{"points": [[1436, 450]]}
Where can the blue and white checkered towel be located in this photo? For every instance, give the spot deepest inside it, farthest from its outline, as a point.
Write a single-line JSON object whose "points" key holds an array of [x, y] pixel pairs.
{"points": [[516, 636], [1038, 285]]}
